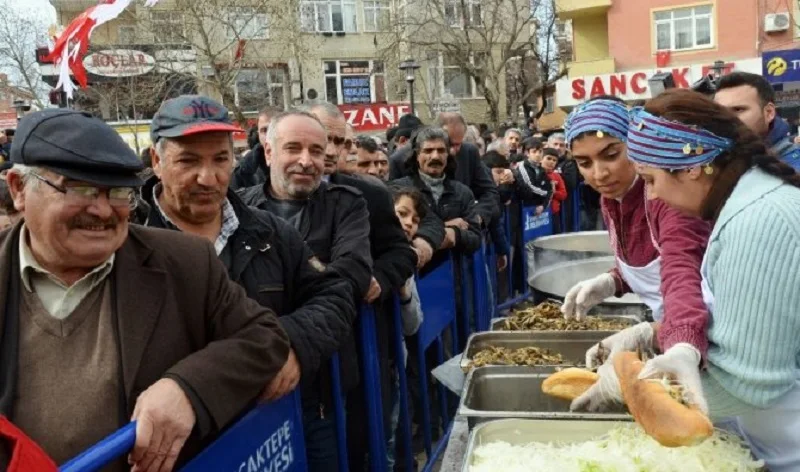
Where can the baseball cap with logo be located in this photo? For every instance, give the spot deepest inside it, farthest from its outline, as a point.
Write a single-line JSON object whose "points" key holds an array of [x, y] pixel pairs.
{"points": [[190, 114]]}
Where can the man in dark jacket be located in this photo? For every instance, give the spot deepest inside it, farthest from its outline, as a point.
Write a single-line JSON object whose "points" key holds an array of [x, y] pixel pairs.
{"points": [[262, 253], [431, 170], [569, 172], [469, 170], [252, 169]]}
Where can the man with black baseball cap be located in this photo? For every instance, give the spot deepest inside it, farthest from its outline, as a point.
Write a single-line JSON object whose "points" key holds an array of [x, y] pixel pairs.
{"points": [[193, 162], [109, 312]]}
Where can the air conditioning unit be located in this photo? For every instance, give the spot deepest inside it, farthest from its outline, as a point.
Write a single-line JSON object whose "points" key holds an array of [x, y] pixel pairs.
{"points": [[776, 22]]}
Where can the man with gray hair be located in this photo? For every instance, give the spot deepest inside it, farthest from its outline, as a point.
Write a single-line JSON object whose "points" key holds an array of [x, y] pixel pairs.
{"points": [[334, 222], [568, 169]]}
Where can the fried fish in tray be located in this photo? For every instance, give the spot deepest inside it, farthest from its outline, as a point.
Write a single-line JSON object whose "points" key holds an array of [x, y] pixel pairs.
{"points": [[524, 356]]}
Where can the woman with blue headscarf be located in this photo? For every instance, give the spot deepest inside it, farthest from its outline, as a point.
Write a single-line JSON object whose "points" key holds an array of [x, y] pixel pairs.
{"points": [[699, 158], [658, 250]]}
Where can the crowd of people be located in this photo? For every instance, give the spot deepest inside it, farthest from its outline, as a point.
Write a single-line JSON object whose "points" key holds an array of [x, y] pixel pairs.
{"points": [[181, 287]]}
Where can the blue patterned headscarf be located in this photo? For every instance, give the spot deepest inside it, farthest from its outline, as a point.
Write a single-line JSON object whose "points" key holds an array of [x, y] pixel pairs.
{"points": [[666, 144], [600, 116]]}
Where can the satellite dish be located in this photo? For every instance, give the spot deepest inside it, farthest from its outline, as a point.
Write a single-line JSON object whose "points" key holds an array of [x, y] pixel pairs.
{"points": [[312, 94]]}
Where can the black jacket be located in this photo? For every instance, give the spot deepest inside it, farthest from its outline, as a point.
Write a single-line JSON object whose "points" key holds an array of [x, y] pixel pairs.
{"points": [[470, 171], [335, 226], [393, 260], [251, 171], [456, 201], [531, 184], [269, 260]]}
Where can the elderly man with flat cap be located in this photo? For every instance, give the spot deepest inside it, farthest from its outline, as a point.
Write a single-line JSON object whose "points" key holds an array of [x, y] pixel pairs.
{"points": [[102, 323]]}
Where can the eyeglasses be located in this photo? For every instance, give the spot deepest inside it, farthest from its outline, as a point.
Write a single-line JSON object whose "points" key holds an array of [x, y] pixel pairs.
{"points": [[86, 194]]}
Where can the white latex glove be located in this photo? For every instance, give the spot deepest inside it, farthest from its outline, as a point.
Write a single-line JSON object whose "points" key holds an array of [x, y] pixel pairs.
{"points": [[629, 339], [683, 362], [603, 394], [585, 295]]}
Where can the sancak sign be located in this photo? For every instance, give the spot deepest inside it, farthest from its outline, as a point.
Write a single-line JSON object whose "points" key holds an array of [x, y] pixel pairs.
{"points": [[119, 63], [781, 66], [633, 85]]}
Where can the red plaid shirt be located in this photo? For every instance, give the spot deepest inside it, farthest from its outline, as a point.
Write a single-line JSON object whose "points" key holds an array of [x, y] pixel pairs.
{"points": [[682, 241]]}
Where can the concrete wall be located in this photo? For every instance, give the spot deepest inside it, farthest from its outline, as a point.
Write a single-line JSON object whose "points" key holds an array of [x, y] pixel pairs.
{"points": [[632, 37]]}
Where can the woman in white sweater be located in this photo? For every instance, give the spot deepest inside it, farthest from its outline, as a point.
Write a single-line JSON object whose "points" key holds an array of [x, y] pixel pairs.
{"points": [[699, 158]]}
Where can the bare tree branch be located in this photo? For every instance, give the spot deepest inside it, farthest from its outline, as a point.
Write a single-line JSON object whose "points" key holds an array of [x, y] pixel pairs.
{"points": [[20, 33]]}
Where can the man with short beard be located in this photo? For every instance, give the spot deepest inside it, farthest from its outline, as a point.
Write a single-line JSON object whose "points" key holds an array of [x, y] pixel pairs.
{"points": [[431, 169], [393, 263], [262, 253]]}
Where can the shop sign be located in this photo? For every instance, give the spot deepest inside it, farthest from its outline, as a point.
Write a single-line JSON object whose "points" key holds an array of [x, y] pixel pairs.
{"points": [[374, 116], [781, 66], [632, 85], [119, 63]]}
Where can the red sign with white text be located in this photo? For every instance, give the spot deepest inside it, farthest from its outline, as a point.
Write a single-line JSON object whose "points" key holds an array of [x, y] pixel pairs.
{"points": [[374, 116]]}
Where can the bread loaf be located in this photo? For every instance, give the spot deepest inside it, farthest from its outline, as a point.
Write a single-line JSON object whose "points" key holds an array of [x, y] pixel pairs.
{"points": [[569, 384], [654, 406]]}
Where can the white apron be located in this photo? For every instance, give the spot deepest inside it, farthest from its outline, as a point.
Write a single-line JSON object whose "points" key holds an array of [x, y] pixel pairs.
{"points": [[774, 433], [643, 281]]}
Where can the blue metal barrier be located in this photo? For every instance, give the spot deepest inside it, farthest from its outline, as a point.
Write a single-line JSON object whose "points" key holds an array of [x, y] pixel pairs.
{"points": [[479, 284], [269, 437], [438, 305], [371, 381], [339, 412], [404, 419]]}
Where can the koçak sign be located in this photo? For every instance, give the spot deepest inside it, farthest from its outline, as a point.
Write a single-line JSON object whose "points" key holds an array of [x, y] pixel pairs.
{"points": [[632, 85], [781, 66], [119, 63], [374, 116]]}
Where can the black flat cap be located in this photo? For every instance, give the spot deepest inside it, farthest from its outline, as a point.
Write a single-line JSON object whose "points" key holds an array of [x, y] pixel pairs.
{"points": [[76, 145]]}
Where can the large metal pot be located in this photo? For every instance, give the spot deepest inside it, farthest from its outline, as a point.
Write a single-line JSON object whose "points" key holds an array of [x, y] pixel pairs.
{"points": [[555, 281], [549, 250]]}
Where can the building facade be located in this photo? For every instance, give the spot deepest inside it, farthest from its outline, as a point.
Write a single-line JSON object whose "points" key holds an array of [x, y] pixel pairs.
{"points": [[619, 44], [279, 54]]}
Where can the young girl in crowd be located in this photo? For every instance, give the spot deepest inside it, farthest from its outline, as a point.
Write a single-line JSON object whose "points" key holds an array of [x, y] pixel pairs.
{"points": [[410, 209], [549, 162]]}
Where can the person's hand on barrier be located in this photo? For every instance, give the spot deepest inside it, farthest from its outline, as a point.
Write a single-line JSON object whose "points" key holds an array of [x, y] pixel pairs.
{"points": [[629, 339], [424, 251], [449, 238], [681, 362], [586, 295], [374, 291], [539, 210], [604, 393], [283, 383], [502, 262], [164, 419], [457, 223]]}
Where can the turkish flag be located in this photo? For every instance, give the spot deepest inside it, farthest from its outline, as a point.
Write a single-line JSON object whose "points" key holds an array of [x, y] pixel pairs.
{"points": [[662, 58]]}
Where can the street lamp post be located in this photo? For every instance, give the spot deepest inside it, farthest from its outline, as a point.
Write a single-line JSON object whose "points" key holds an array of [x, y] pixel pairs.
{"points": [[410, 66], [21, 108]]}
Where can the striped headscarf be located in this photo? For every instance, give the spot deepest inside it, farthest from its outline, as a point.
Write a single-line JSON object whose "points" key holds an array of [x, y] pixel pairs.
{"points": [[666, 144], [601, 116]]}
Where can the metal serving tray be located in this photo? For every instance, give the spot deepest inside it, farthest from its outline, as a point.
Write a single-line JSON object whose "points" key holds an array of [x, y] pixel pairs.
{"points": [[497, 324], [521, 432], [555, 281], [639, 312], [492, 393], [572, 345]]}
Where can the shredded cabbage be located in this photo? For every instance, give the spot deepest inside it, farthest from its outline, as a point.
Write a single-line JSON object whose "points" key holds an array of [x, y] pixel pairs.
{"points": [[624, 449]]}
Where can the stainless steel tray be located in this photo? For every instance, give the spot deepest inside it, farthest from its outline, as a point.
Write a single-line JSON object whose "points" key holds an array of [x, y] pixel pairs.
{"points": [[516, 392], [640, 312], [555, 281], [572, 345], [521, 432], [497, 324]]}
